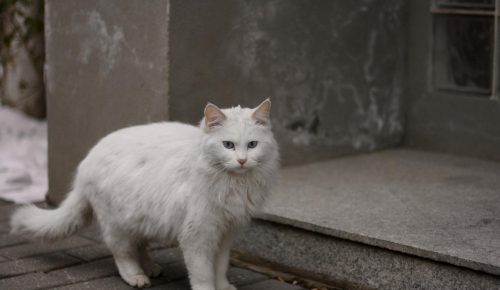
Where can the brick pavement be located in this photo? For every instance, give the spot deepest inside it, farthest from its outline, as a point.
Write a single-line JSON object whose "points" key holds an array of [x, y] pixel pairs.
{"points": [[82, 262]]}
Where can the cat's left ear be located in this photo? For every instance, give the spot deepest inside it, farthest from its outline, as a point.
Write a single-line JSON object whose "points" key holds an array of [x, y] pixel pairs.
{"points": [[262, 113]]}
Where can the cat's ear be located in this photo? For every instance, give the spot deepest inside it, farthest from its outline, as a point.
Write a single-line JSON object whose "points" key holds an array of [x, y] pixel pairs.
{"points": [[261, 114], [213, 116]]}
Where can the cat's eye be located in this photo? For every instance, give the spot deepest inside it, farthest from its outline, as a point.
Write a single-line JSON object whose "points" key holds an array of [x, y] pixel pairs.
{"points": [[252, 144], [228, 144]]}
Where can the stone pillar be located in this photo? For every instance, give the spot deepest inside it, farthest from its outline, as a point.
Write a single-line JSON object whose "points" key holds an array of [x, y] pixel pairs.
{"points": [[107, 68]]}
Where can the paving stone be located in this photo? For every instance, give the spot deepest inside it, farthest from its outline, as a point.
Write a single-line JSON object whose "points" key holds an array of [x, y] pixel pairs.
{"points": [[271, 284], [166, 256], [7, 239], [38, 248], [176, 285], [90, 253], [173, 272], [38, 263], [85, 272], [92, 232], [4, 228], [108, 283], [61, 277], [6, 211], [99, 251], [3, 259], [30, 282], [262, 285], [239, 276]]}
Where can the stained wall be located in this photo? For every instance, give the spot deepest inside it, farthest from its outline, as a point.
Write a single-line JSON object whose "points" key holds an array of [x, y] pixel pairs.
{"points": [[335, 70], [106, 69]]}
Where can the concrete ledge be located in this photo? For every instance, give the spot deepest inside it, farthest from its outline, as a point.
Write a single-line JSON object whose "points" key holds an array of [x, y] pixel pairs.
{"points": [[434, 206], [351, 265]]}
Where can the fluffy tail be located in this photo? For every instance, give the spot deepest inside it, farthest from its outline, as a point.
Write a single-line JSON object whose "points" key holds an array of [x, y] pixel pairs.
{"points": [[53, 224]]}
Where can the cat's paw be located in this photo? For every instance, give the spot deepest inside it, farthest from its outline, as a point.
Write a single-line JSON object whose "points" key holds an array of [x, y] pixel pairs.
{"points": [[153, 271], [138, 280]]}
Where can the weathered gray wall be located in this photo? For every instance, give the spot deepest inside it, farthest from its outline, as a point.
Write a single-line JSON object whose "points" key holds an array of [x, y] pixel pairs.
{"points": [[106, 68], [334, 69], [447, 122]]}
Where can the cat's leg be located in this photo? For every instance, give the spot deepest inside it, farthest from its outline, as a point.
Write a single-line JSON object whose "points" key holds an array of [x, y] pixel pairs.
{"points": [[199, 256], [151, 269], [127, 260], [222, 263]]}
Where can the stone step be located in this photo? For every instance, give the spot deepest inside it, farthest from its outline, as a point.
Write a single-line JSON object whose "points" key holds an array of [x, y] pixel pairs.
{"points": [[389, 220]]}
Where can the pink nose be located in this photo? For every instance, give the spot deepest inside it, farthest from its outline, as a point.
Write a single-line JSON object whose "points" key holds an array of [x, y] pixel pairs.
{"points": [[242, 161]]}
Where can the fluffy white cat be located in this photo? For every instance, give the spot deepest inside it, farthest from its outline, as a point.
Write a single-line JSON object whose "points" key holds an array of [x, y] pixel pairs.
{"points": [[173, 182]]}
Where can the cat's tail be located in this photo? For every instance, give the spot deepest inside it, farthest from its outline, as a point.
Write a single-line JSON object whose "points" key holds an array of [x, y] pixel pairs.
{"points": [[52, 224]]}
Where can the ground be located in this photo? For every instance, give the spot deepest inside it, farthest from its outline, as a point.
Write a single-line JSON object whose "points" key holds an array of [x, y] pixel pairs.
{"points": [[83, 262]]}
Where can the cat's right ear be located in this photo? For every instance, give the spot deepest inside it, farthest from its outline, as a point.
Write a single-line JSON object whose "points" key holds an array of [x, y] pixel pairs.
{"points": [[261, 113], [213, 116]]}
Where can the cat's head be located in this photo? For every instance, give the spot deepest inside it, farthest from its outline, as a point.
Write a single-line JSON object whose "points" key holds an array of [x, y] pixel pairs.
{"points": [[239, 140]]}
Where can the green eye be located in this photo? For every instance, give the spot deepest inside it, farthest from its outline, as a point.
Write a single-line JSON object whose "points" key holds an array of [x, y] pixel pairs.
{"points": [[228, 144], [252, 144]]}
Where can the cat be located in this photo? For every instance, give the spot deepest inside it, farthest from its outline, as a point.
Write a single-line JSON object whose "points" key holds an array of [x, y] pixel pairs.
{"points": [[190, 185]]}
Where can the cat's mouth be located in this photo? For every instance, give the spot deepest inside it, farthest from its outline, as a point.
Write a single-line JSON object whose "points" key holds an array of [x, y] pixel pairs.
{"points": [[239, 170]]}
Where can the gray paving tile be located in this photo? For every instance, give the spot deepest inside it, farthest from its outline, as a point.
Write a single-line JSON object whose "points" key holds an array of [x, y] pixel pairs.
{"points": [[99, 251], [166, 256], [271, 284], [173, 272], [6, 211], [90, 253], [86, 271], [176, 285], [108, 283], [91, 232], [30, 282], [239, 276], [4, 228], [7, 239], [60, 277], [38, 263], [38, 248]]}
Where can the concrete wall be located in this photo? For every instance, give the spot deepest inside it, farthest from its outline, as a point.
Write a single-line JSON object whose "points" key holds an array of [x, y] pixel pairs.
{"points": [[440, 121], [334, 69], [106, 68]]}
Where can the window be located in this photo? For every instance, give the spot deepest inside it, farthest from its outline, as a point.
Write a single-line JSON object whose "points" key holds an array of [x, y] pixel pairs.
{"points": [[465, 46]]}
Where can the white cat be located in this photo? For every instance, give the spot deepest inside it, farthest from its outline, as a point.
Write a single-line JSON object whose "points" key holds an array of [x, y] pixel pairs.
{"points": [[173, 182]]}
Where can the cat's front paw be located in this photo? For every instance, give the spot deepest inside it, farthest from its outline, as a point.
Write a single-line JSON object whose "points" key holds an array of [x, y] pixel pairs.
{"points": [[139, 280]]}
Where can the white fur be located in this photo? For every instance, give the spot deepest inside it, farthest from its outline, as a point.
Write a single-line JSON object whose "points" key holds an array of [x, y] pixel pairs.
{"points": [[168, 181]]}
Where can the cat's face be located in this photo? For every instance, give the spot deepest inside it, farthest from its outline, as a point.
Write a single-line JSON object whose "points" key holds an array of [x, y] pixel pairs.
{"points": [[239, 139]]}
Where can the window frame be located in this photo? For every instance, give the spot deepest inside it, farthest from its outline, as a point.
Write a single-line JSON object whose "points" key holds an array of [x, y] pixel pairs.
{"points": [[436, 9]]}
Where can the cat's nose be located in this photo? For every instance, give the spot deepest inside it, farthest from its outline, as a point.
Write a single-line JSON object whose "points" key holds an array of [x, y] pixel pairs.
{"points": [[242, 161]]}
